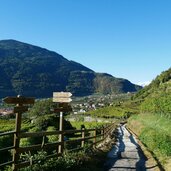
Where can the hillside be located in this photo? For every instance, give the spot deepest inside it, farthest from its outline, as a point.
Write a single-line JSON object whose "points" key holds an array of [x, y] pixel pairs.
{"points": [[160, 84], [157, 96], [152, 125], [33, 71]]}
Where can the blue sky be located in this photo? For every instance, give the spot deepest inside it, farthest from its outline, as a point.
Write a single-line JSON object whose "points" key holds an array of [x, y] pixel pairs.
{"points": [[126, 38]]}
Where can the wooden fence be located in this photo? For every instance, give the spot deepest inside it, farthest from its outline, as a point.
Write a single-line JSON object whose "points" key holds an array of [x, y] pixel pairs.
{"points": [[79, 138]]}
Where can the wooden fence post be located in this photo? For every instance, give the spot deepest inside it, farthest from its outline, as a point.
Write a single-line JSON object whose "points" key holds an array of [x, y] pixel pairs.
{"points": [[102, 133], [83, 136], [95, 134]]}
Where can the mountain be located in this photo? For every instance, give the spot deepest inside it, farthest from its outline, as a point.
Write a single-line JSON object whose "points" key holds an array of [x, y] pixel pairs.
{"points": [[107, 83], [156, 97], [33, 71]]}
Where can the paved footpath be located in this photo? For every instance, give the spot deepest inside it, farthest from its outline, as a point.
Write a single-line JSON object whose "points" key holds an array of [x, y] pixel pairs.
{"points": [[126, 155]]}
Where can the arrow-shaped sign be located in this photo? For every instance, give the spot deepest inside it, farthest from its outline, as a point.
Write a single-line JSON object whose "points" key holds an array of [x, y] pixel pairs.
{"points": [[62, 100], [62, 94], [62, 97]]}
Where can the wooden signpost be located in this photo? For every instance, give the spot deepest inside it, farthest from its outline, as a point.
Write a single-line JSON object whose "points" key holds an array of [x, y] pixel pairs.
{"points": [[18, 109], [62, 98]]}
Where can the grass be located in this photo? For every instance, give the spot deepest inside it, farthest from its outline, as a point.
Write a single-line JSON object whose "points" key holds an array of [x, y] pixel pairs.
{"points": [[155, 132]]}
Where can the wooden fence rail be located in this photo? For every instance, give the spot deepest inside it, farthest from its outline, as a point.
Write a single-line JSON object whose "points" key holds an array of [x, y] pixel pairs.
{"points": [[92, 136], [96, 138]]}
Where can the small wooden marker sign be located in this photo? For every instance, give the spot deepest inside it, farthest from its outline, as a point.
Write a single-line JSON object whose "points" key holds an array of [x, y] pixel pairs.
{"points": [[18, 109], [62, 97], [63, 109]]}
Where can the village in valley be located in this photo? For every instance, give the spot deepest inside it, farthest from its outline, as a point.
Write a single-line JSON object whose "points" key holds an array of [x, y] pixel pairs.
{"points": [[80, 105], [96, 101]]}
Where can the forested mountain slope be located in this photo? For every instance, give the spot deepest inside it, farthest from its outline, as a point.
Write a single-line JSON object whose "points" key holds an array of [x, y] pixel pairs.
{"points": [[33, 71]]}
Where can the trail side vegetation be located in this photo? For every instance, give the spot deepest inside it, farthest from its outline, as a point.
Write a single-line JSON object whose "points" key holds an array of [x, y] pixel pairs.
{"points": [[152, 125], [155, 132]]}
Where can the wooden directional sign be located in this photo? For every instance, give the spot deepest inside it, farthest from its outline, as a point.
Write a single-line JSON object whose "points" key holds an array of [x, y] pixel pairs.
{"points": [[19, 100], [62, 94], [62, 100], [62, 97]]}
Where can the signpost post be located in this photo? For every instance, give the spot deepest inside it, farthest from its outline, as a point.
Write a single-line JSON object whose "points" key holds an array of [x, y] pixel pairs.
{"points": [[18, 109], [62, 98]]}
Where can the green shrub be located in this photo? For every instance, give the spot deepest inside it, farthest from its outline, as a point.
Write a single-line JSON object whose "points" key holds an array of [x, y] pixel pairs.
{"points": [[69, 162], [52, 138]]}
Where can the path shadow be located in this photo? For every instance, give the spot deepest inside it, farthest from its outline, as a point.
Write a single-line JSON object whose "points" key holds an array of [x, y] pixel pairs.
{"points": [[140, 164], [121, 148]]}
